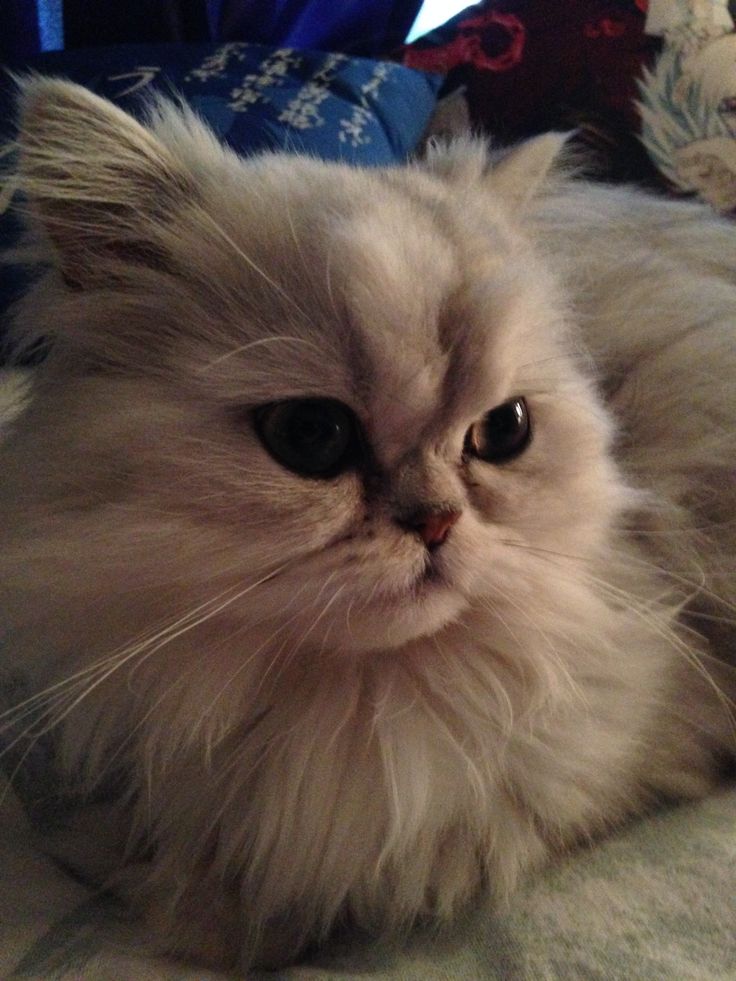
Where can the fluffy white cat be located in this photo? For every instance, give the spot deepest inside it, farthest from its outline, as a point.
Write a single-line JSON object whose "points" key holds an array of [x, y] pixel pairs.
{"points": [[376, 527]]}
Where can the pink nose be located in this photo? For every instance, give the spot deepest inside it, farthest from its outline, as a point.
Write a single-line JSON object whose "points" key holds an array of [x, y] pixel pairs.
{"points": [[434, 526]]}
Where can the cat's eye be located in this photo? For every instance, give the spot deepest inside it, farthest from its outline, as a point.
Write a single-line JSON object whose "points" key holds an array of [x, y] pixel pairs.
{"points": [[502, 434], [313, 437]]}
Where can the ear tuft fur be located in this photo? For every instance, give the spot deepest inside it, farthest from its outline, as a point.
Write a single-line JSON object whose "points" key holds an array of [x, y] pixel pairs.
{"points": [[515, 175], [93, 176], [521, 173], [460, 159]]}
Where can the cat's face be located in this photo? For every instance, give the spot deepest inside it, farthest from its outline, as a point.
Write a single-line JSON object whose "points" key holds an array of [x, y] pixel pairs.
{"points": [[355, 388]]}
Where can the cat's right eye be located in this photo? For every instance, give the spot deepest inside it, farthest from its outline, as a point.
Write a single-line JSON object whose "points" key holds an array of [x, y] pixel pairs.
{"points": [[312, 437]]}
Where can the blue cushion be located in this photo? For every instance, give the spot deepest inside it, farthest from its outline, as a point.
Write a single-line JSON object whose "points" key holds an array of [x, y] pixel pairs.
{"points": [[255, 98]]}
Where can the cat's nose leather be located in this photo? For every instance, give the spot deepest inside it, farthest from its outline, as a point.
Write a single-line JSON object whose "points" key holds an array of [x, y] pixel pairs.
{"points": [[433, 526]]}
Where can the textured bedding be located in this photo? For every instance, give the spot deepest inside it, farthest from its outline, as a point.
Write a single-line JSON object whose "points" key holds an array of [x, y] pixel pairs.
{"points": [[656, 901]]}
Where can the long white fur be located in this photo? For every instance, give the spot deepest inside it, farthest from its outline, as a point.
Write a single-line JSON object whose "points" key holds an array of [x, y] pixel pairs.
{"points": [[308, 735]]}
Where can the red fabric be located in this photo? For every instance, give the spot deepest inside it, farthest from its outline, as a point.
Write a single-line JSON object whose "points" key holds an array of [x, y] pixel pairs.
{"points": [[531, 65]]}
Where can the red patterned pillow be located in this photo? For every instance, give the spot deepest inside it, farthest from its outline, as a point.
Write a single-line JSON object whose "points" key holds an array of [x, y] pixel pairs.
{"points": [[533, 65]]}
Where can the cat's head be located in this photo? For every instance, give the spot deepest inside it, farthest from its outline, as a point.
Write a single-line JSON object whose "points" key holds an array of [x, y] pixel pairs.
{"points": [[356, 388]]}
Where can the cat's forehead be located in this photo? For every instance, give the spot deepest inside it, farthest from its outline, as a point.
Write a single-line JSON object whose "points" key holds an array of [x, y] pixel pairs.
{"points": [[404, 293], [396, 270], [427, 290]]}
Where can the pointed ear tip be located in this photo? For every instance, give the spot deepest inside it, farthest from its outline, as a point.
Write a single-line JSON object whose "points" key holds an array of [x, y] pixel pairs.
{"points": [[33, 87], [39, 95], [524, 169], [561, 139], [553, 142], [562, 135]]}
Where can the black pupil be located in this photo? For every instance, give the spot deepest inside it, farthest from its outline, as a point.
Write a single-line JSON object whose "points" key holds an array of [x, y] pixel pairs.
{"points": [[502, 434], [311, 429], [312, 437], [504, 425]]}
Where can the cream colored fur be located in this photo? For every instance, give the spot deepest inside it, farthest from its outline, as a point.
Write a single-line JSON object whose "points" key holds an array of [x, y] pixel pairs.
{"points": [[310, 733]]}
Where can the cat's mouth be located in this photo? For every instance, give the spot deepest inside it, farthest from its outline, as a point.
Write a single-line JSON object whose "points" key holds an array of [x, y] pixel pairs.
{"points": [[430, 579], [432, 575], [402, 608]]}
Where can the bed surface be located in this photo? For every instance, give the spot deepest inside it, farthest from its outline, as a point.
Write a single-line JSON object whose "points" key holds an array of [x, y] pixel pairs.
{"points": [[656, 901]]}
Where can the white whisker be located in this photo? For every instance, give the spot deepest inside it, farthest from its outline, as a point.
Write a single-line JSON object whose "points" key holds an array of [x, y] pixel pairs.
{"points": [[207, 217]]}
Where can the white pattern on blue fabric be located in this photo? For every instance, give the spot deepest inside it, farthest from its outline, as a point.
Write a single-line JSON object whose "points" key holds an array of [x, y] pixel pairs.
{"points": [[302, 112], [215, 65], [352, 130], [271, 72], [144, 75]]}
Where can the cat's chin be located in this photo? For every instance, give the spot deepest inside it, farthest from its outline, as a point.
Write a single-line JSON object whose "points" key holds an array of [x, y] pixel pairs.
{"points": [[398, 620]]}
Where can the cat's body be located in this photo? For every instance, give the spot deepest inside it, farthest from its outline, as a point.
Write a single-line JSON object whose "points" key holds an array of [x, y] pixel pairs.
{"points": [[373, 693]]}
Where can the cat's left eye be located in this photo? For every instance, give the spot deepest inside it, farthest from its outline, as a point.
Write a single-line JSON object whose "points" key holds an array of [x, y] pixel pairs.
{"points": [[502, 434], [312, 437]]}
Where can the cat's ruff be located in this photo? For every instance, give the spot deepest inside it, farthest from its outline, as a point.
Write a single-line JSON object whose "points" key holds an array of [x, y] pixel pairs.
{"points": [[317, 721]]}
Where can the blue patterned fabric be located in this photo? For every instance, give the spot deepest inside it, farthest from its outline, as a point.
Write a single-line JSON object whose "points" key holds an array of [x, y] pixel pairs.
{"points": [[255, 98]]}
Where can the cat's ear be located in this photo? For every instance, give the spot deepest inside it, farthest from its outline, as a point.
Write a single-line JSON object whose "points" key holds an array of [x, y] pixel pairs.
{"points": [[97, 180], [514, 175], [522, 172]]}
